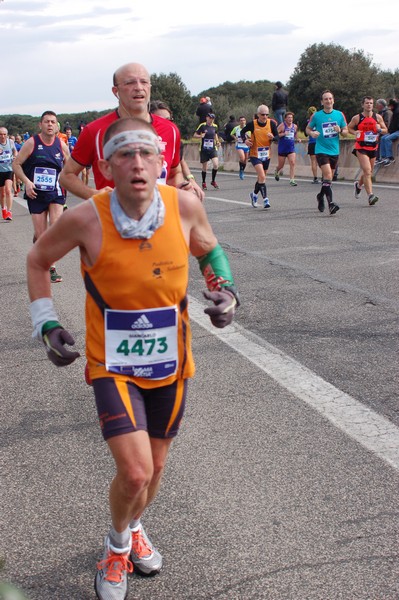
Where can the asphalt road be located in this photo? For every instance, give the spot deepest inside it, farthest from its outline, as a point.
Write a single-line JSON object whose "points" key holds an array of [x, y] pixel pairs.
{"points": [[283, 482]]}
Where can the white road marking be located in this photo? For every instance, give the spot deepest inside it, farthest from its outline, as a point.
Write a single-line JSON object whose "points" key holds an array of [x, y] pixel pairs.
{"points": [[371, 430], [21, 201]]}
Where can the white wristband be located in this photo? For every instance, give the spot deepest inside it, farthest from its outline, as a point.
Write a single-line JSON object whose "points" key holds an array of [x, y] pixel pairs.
{"points": [[41, 311]]}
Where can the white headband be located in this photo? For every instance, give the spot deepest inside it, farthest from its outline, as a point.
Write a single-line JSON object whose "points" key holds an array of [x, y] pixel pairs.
{"points": [[137, 136]]}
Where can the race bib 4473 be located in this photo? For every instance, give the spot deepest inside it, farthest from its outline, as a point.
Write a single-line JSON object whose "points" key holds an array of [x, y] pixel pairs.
{"points": [[142, 343]]}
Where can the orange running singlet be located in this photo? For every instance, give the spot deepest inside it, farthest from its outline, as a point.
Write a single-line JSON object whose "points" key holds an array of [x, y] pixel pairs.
{"points": [[260, 138], [139, 275]]}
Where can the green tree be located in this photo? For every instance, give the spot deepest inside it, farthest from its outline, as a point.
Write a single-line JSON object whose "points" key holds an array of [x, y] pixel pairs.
{"points": [[21, 123], [240, 98], [75, 118], [173, 91], [390, 84], [349, 74]]}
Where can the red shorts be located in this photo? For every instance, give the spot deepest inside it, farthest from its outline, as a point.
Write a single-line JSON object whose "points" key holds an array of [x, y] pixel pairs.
{"points": [[124, 407]]}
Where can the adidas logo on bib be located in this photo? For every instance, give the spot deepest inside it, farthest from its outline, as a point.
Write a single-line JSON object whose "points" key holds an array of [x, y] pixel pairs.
{"points": [[142, 323]]}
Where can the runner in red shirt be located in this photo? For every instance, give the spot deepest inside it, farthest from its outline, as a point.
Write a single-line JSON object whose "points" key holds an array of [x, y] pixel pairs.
{"points": [[132, 86]]}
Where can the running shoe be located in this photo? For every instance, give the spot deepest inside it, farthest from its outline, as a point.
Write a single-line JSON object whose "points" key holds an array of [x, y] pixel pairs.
{"points": [[4, 212], [333, 208], [111, 577], [54, 276], [293, 182], [241, 174], [204, 186], [388, 161], [315, 180], [357, 189], [9, 216], [380, 161], [320, 202], [254, 199], [145, 558], [215, 185], [266, 203], [276, 175], [372, 199]]}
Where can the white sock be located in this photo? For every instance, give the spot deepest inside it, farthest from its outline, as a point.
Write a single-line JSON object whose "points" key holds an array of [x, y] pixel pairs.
{"points": [[134, 524], [120, 541]]}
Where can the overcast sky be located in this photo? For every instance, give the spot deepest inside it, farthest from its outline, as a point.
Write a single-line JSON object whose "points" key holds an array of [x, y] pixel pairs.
{"points": [[60, 55]]}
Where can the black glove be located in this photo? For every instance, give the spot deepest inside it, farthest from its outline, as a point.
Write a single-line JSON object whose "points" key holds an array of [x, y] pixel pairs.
{"points": [[54, 341], [223, 312]]}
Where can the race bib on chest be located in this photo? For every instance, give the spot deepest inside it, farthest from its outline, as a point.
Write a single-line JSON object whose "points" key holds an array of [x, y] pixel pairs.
{"points": [[208, 144], [142, 343], [5, 156], [290, 135], [263, 153], [370, 136], [44, 179], [328, 130], [164, 174]]}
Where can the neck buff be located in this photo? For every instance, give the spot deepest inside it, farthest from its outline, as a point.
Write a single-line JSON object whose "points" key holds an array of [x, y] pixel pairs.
{"points": [[145, 228]]}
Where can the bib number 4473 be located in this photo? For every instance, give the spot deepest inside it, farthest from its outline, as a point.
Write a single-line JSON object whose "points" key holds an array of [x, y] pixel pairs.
{"points": [[143, 347]]}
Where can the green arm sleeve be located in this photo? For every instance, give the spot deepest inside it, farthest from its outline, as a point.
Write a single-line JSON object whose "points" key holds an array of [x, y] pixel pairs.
{"points": [[216, 270]]}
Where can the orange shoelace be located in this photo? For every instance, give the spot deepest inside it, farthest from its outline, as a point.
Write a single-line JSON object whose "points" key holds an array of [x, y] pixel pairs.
{"points": [[140, 546], [115, 565]]}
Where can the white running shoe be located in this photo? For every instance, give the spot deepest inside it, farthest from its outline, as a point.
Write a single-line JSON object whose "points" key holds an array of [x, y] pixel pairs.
{"points": [[254, 199], [111, 577], [145, 558]]}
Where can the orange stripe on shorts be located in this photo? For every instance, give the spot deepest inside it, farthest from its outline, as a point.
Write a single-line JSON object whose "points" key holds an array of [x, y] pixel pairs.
{"points": [[177, 405], [125, 397]]}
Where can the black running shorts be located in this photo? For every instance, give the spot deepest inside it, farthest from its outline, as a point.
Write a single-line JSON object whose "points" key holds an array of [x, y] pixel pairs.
{"points": [[327, 159], [124, 407]]}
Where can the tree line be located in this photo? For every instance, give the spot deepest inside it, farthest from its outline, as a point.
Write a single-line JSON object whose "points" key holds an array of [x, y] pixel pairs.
{"points": [[349, 74]]}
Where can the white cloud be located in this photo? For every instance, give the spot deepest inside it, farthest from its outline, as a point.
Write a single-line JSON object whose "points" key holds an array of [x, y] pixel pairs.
{"points": [[249, 34]]}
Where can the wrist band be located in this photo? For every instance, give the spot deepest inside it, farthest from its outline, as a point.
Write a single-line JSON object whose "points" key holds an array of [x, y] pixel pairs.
{"points": [[41, 311]]}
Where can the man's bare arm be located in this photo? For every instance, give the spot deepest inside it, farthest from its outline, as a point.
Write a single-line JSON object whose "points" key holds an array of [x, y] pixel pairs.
{"points": [[198, 231], [21, 157], [70, 180], [352, 125], [77, 228], [176, 177], [212, 260]]}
